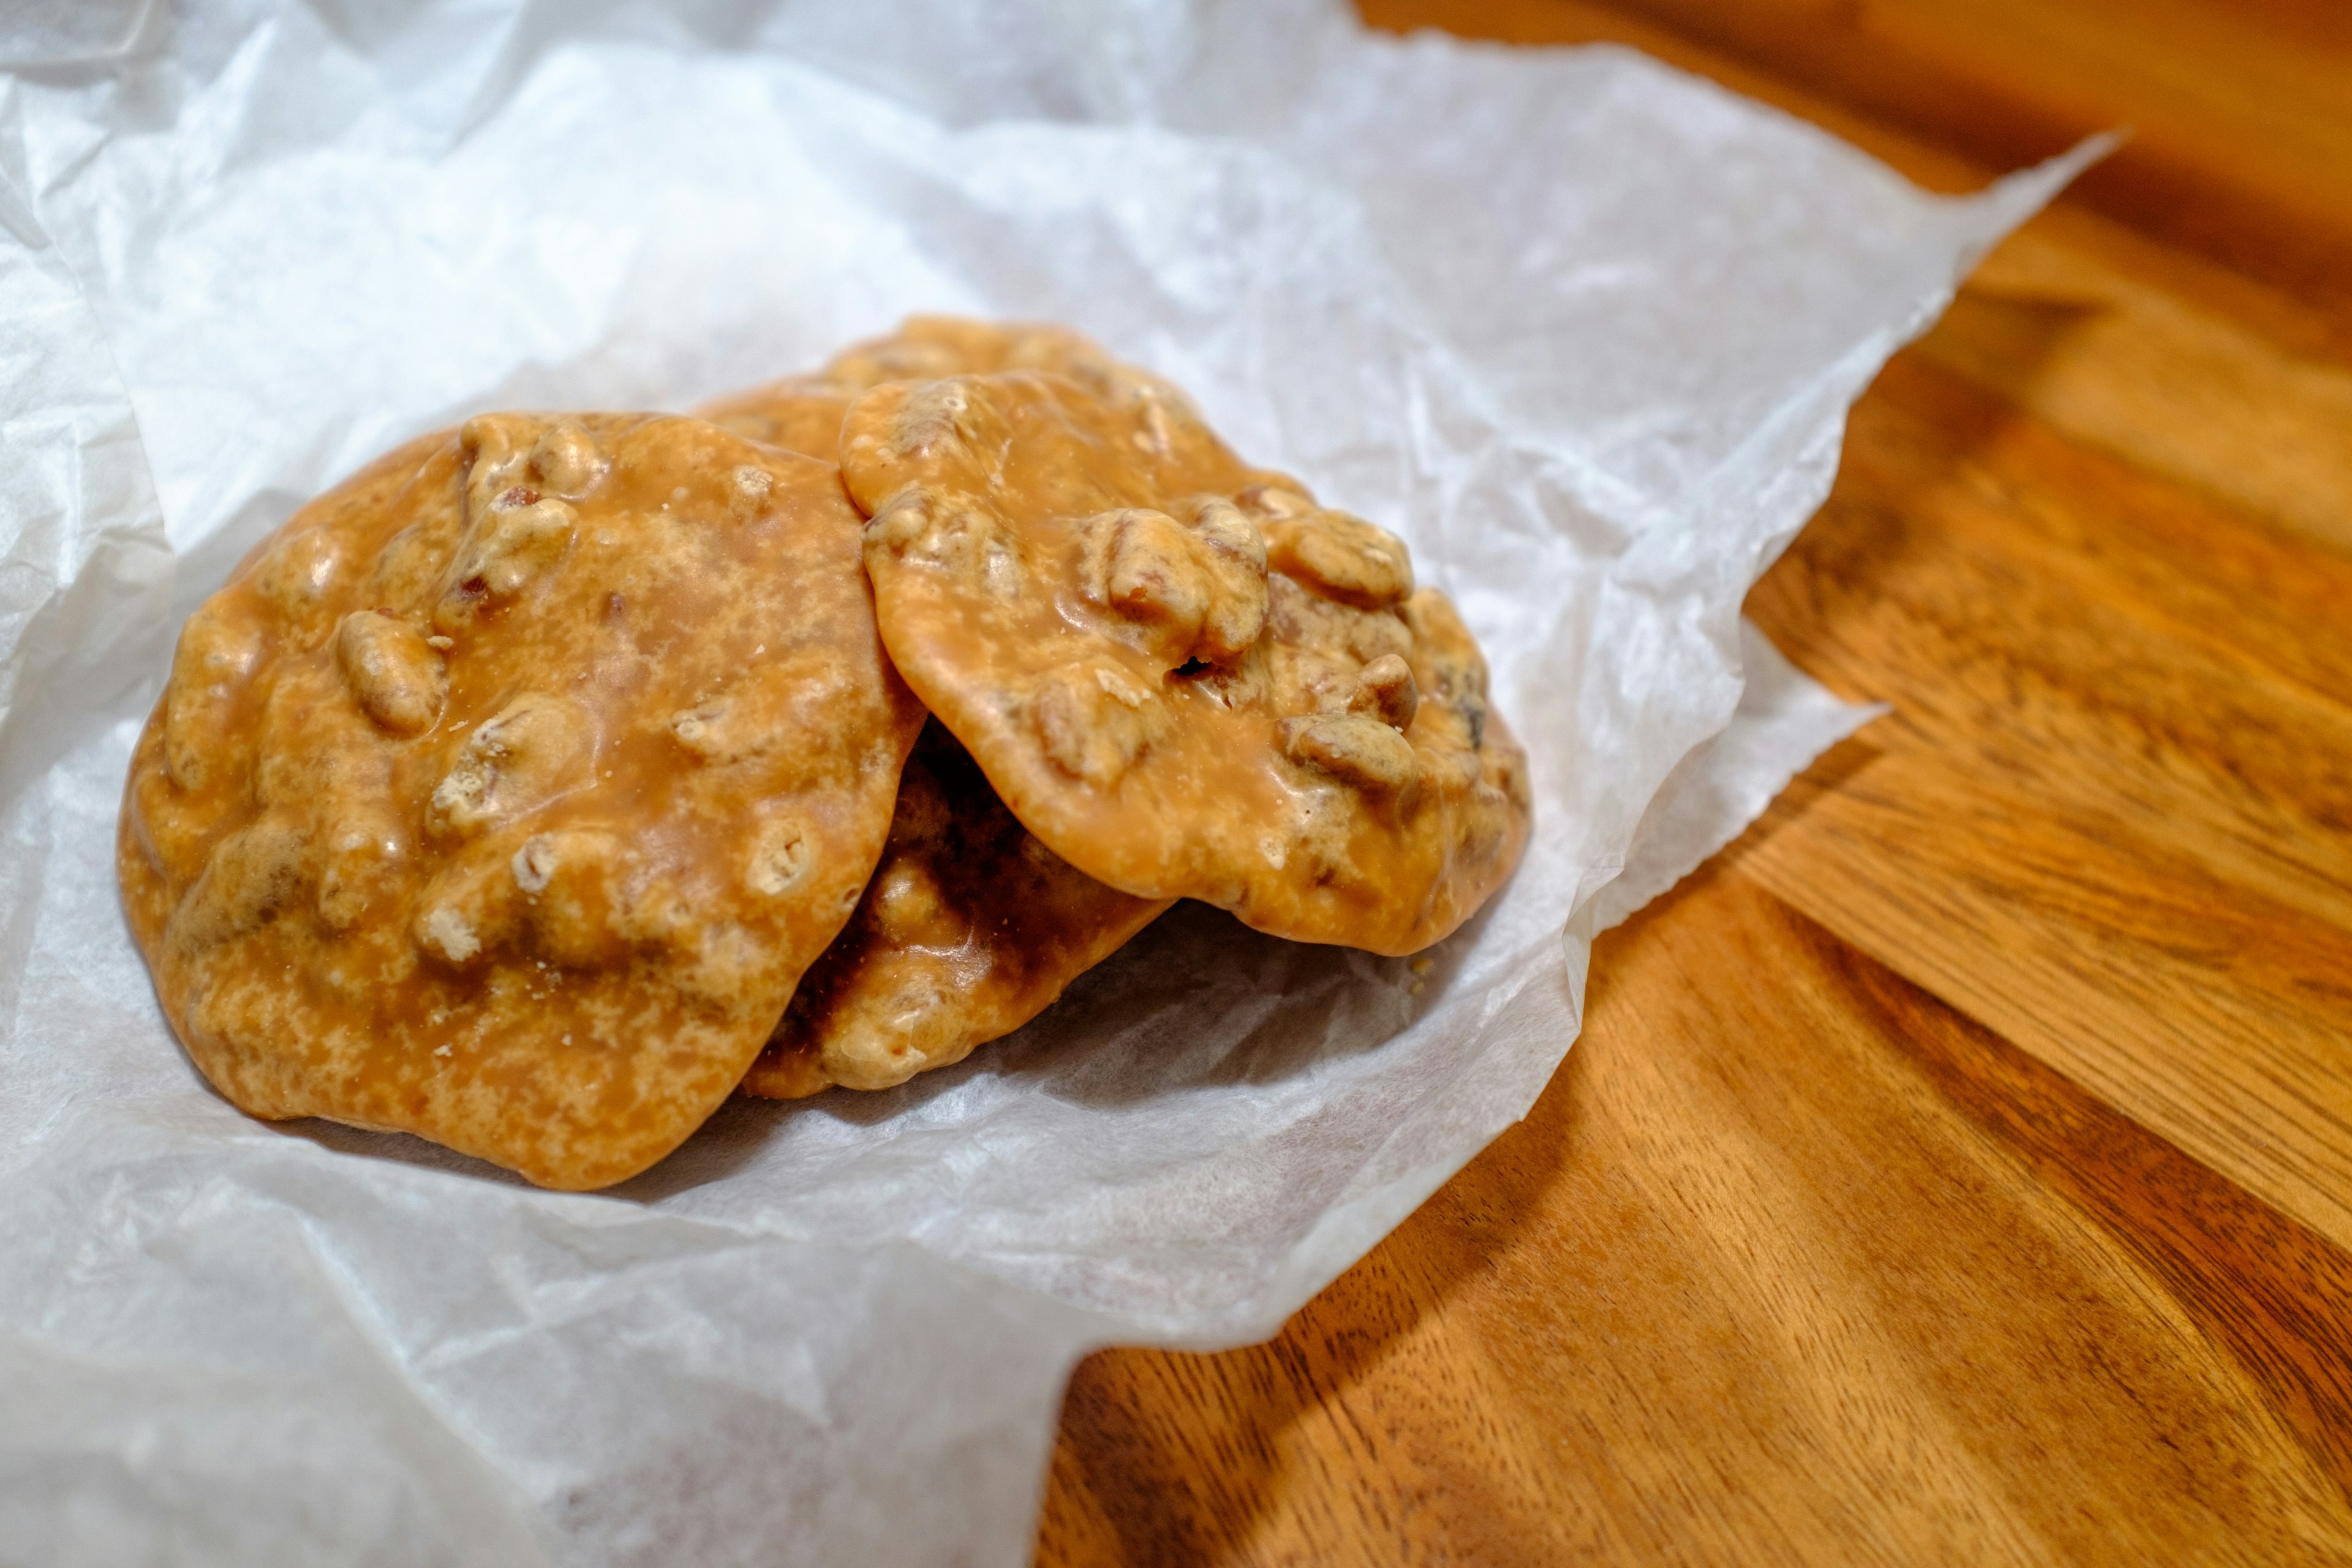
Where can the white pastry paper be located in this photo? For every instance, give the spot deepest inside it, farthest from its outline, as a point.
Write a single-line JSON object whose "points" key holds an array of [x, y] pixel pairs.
{"points": [[1584, 328]]}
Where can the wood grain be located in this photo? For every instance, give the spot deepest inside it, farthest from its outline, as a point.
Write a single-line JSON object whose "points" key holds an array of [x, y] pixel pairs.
{"points": [[1959, 1168], [1766, 1272], [2240, 111]]}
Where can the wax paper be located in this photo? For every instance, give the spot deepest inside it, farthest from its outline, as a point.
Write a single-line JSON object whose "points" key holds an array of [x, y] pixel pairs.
{"points": [[1582, 328]]}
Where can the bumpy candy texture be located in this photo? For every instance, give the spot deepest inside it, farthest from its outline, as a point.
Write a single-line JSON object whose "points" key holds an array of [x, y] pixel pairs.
{"points": [[503, 795], [1182, 674], [970, 928], [803, 413]]}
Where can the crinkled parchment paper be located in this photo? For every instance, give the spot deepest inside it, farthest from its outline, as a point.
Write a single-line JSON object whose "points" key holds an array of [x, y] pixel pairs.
{"points": [[1584, 328]]}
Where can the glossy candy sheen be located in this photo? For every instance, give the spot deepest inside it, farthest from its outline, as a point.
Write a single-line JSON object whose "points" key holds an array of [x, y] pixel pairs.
{"points": [[1181, 673], [969, 929], [504, 794], [803, 413], [971, 926]]}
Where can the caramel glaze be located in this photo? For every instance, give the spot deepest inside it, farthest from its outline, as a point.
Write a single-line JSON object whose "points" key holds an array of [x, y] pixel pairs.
{"points": [[971, 928], [1181, 673], [504, 794]]}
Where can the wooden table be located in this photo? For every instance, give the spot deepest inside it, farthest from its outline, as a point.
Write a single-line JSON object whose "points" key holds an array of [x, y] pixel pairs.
{"points": [[1959, 1169]]}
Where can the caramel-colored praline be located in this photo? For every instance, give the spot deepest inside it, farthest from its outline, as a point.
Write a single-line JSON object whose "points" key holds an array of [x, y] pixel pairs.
{"points": [[803, 413], [970, 926], [503, 795], [1183, 675], [969, 929]]}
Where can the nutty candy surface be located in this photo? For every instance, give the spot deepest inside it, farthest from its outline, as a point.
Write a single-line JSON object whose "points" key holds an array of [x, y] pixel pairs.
{"points": [[970, 928], [803, 413], [503, 795], [1181, 673]]}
